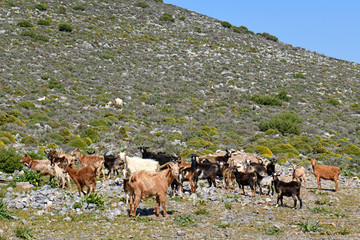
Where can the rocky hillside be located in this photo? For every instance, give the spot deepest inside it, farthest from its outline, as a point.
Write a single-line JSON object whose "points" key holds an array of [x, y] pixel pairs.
{"points": [[189, 83]]}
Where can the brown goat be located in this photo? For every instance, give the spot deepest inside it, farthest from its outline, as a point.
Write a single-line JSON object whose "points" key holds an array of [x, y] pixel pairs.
{"points": [[42, 166], [299, 174], [228, 175], [82, 177], [94, 161], [143, 184], [325, 172]]}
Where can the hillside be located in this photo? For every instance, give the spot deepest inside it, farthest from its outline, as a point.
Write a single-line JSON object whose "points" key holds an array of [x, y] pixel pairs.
{"points": [[188, 83]]}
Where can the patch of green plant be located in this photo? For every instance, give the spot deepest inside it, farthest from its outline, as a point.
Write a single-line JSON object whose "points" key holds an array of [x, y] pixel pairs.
{"points": [[225, 24], [202, 211], [24, 233], [242, 29], [78, 143], [106, 56], [319, 210], [38, 117], [142, 4], [167, 17], [41, 6], [4, 212], [78, 7], [299, 75], [333, 101], [209, 131], [10, 138], [282, 95], [319, 202], [91, 198], [223, 225], [29, 140], [340, 215], [177, 199], [92, 134], [44, 22], [309, 225], [32, 177], [182, 18], [184, 221], [346, 172], [65, 27], [228, 205], [342, 231], [351, 149], [25, 23], [9, 160], [268, 36], [264, 151], [198, 142], [287, 149], [266, 100], [316, 192], [286, 122], [271, 231], [26, 104]]}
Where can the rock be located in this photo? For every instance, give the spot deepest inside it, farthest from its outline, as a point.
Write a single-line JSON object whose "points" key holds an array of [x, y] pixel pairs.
{"points": [[67, 219], [181, 233]]}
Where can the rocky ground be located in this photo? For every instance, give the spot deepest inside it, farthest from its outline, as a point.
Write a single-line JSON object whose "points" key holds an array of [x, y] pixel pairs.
{"points": [[211, 213]]}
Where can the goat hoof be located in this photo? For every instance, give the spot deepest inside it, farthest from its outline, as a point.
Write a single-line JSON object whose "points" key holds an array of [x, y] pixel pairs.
{"points": [[277, 205]]}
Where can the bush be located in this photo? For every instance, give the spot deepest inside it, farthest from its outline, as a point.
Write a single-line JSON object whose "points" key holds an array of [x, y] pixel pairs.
{"points": [[41, 6], [65, 27], [25, 23], [142, 4], [78, 143], [333, 101], [287, 149], [4, 212], [91, 198], [35, 36], [242, 29], [9, 160], [55, 84], [26, 104], [29, 140], [167, 17], [198, 142], [92, 134], [78, 7], [43, 22], [10, 138], [264, 151], [8, 118], [351, 149], [24, 232], [266, 100], [32, 177], [268, 36], [225, 24], [288, 122], [282, 95]]}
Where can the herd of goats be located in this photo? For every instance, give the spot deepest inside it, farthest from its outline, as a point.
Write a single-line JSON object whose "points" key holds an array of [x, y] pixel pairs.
{"points": [[152, 174]]}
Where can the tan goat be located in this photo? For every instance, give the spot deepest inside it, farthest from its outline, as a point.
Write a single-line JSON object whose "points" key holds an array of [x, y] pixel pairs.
{"points": [[94, 161], [69, 158], [299, 174], [325, 172], [42, 166], [61, 177], [143, 184], [82, 177]]}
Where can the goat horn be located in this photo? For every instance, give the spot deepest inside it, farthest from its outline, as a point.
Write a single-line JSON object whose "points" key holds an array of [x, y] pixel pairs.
{"points": [[165, 165]]}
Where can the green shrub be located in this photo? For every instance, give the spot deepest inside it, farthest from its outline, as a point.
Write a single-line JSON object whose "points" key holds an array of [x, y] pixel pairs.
{"points": [[25, 23], [4, 212], [106, 56], [32, 177], [242, 29], [268, 36], [318, 148], [225, 24], [266, 100], [78, 7], [287, 149], [91, 198], [92, 134], [333, 101], [182, 18], [309, 226], [8, 118], [9, 160], [184, 221], [26, 104], [41, 6], [287, 122], [282, 95], [351, 149], [228, 205], [29, 140], [271, 131], [8, 136], [52, 146], [299, 75], [24, 232], [43, 22], [264, 151], [142, 4], [209, 131], [158, 1], [78, 143], [55, 84], [167, 17], [35, 36], [202, 211], [65, 27], [65, 132], [55, 136], [302, 147], [198, 142], [38, 117]]}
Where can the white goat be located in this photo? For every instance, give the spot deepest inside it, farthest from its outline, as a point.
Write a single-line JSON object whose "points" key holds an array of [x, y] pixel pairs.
{"points": [[61, 176]]}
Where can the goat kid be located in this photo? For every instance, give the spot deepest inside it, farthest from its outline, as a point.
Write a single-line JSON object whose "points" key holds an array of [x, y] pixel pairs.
{"points": [[85, 176]]}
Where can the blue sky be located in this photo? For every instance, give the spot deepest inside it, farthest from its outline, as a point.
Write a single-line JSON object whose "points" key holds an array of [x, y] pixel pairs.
{"points": [[330, 27]]}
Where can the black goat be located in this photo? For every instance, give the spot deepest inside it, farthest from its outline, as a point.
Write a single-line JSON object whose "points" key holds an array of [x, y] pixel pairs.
{"points": [[246, 179], [113, 164], [53, 157], [287, 189], [205, 170], [161, 157]]}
